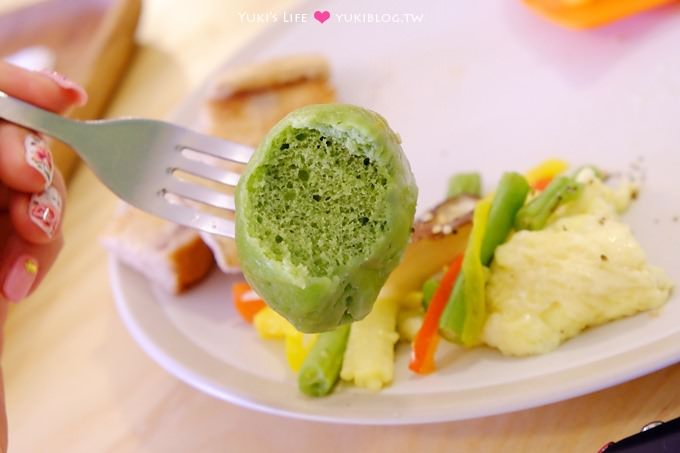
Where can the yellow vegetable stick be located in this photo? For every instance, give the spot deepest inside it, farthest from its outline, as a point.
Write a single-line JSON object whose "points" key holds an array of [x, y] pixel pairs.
{"points": [[369, 357], [298, 345], [408, 323], [413, 299], [547, 169], [271, 325]]}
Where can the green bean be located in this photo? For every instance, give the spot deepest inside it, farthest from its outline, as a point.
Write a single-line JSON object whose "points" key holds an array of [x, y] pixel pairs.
{"points": [[465, 310], [464, 183], [453, 317], [429, 288], [321, 368], [509, 198], [464, 314], [535, 214]]}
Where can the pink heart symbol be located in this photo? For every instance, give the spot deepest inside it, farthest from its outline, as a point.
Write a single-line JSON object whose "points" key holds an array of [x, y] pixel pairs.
{"points": [[322, 16]]}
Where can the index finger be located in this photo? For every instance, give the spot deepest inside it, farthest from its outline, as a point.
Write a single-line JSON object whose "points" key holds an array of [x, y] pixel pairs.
{"points": [[47, 90]]}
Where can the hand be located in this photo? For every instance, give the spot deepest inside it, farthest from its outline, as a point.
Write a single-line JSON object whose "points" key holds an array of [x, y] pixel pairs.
{"points": [[32, 192]]}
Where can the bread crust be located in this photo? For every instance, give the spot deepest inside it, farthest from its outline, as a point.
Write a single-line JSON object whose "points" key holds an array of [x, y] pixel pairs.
{"points": [[192, 262], [172, 256], [271, 74], [246, 117]]}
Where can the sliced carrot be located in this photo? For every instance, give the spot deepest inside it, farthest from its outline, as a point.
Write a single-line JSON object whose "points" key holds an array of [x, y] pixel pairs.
{"points": [[590, 13], [246, 301], [425, 344], [541, 184]]}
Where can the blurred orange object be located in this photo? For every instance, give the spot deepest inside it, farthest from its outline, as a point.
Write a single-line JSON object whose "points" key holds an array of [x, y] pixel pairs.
{"points": [[246, 302], [591, 13]]}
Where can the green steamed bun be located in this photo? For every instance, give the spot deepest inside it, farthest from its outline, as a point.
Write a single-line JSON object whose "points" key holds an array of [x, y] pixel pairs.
{"points": [[324, 212]]}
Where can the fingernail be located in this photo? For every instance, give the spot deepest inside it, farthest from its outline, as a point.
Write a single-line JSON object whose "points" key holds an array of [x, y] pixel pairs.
{"points": [[67, 84], [39, 156], [44, 210], [20, 278]]}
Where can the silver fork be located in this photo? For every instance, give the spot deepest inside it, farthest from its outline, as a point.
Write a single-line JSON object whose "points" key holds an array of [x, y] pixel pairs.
{"points": [[142, 160]]}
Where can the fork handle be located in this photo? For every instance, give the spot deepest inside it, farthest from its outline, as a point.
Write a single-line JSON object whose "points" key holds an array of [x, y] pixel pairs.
{"points": [[32, 117]]}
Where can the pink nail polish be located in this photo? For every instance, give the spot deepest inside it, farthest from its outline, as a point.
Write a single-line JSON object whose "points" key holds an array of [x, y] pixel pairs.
{"points": [[67, 84], [44, 209], [20, 278], [38, 156]]}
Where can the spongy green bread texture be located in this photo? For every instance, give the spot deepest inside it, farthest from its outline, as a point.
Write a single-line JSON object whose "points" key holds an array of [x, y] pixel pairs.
{"points": [[324, 212]]}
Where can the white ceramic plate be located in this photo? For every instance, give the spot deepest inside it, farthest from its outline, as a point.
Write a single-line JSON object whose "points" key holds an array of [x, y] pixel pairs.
{"points": [[476, 85]]}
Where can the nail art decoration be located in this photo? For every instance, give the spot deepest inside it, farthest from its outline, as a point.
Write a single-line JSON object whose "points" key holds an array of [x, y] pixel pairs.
{"points": [[45, 210], [20, 278], [77, 90], [38, 156], [31, 266]]}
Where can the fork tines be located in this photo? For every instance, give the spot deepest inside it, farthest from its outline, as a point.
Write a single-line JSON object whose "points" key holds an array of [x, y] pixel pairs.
{"points": [[213, 166], [206, 171], [191, 217], [195, 192], [215, 147]]}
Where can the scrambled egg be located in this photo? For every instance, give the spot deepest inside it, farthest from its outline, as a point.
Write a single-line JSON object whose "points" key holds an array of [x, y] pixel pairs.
{"points": [[585, 268]]}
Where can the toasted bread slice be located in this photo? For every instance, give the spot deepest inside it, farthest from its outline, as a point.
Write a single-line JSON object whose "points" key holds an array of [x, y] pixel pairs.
{"points": [[170, 255]]}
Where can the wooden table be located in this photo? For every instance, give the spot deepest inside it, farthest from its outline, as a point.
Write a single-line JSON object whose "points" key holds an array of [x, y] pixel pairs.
{"points": [[77, 382]]}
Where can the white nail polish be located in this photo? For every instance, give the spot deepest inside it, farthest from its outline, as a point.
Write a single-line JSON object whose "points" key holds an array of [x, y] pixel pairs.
{"points": [[39, 156], [45, 209]]}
